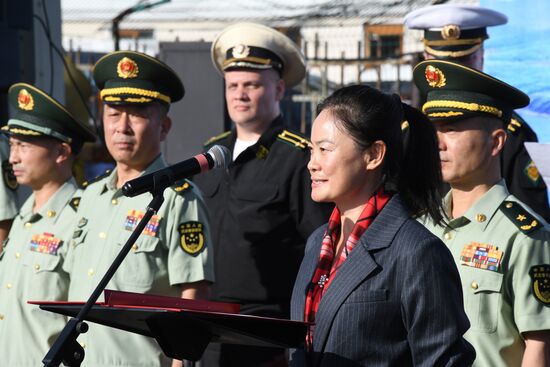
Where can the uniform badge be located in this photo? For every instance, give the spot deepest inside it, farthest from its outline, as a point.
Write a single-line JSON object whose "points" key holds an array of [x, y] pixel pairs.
{"points": [[450, 32], [435, 77], [9, 177], [540, 283], [135, 216], [262, 152], [127, 68], [25, 100], [74, 203], [482, 256], [240, 51], [45, 243], [82, 222], [532, 172], [183, 187], [192, 237]]}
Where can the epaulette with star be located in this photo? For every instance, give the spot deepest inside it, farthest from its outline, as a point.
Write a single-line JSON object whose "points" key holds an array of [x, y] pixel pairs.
{"points": [[216, 138], [182, 186], [293, 139], [95, 179], [520, 217]]}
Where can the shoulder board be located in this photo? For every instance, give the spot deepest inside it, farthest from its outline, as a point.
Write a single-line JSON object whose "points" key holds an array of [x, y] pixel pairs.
{"points": [[182, 186], [216, 138], [74, 203], [293, 139], [95, 179], [525, 222], [514, 125]]}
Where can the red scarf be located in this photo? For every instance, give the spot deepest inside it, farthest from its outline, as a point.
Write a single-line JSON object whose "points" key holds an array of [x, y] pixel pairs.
{"points": [[328, 266]]}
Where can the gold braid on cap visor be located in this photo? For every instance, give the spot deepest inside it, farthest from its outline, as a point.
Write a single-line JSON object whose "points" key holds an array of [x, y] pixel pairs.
{"points": [[135, 91], [453, 54], [474, 107]]}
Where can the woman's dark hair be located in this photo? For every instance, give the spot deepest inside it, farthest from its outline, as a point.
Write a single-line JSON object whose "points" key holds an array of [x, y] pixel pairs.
{"points": [[412, 165]]}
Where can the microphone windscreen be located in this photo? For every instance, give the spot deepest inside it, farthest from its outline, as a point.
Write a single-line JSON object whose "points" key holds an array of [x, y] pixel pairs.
{"points": [[220, 155]]}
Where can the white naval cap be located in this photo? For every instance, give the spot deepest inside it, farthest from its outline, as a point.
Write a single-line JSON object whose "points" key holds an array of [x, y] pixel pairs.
{"points": [[256, 46], [453, 30]]}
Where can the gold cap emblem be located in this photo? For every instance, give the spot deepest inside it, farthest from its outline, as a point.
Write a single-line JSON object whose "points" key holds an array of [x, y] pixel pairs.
{"points": [[450, 32], [240, 51], [127, 68], [434, 77], [25, 100]]}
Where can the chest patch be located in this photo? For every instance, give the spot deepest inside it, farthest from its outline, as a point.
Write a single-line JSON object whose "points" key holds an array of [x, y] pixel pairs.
{"points": [[540, 283], [45, 243], [192, 237], [134, 216], [482, 256]]}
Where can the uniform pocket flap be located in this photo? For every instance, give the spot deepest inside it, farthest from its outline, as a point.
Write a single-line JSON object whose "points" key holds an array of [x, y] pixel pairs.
{"points": [[41, 262], [144, 243], [481, 280]]}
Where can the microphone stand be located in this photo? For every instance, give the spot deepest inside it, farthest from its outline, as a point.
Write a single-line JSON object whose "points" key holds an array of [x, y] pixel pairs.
{"points": [[66, 349]]}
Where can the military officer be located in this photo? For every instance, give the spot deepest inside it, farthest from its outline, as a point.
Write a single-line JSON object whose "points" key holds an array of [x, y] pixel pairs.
{"points": [[456, 32], [261, 209], [44, 140], [501, 247], [8, 187], [172, 256]]}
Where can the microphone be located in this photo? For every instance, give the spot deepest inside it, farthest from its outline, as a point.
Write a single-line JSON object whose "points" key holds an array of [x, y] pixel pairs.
{"points": [[216, 157]]}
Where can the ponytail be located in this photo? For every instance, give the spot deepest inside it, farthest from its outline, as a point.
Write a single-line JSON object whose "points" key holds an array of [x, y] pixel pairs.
{"points": [[420, 183]]}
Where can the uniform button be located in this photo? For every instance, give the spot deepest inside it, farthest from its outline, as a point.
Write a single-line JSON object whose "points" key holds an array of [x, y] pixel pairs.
{"points": [[448, 235], [83, 345], [509, 205], [28, 225], [102, 235], [1, 317], [36, 267], [481, 218], [114, 201], [73, 242], [474, 285], [91, 272], [8, 285], [51, 213], [134, 247], [17, 255]]}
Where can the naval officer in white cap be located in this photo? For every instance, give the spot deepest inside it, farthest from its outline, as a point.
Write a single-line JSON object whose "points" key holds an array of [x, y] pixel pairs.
{"points": [[456, 32]]}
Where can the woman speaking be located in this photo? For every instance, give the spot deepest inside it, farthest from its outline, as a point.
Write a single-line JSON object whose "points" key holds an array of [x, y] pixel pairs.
{"points": [[378, 288]]}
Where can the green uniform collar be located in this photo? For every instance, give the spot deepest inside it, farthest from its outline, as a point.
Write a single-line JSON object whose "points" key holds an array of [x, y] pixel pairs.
{"points": [[111, 180], [53, 206], [484, 209]]}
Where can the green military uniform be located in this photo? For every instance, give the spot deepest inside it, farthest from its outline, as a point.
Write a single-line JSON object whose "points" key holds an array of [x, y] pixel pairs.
{"points": [[30, 269], [8, 197], [31, 264], [498, 246], [172, 250]]}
